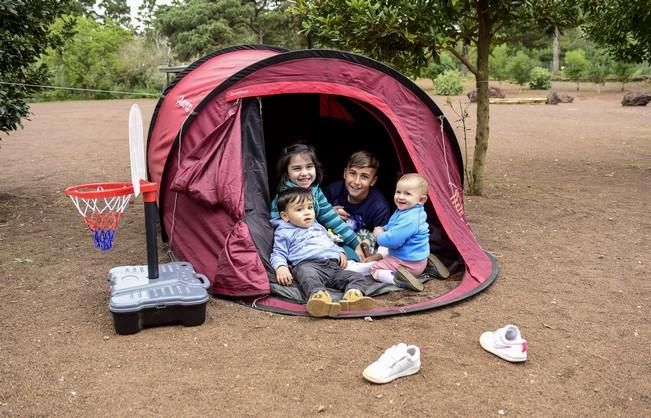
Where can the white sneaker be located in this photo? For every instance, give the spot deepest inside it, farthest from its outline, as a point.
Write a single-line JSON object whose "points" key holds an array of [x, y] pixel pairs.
{"points": [[398, 361], [506, 343]]}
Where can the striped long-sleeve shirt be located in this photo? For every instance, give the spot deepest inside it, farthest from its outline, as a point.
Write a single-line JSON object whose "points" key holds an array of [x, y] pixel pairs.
{"points": [[325, 215]]}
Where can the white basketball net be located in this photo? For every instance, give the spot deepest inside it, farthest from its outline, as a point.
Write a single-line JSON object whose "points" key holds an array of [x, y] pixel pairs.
{"points": [[102, 212]]}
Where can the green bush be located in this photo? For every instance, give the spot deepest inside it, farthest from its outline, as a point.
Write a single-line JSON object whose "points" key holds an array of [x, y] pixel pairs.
{"points": [[520, 67], [540, 79], [448, 83], [623, 72], [599, 64], [576, 66], [446, 62]]}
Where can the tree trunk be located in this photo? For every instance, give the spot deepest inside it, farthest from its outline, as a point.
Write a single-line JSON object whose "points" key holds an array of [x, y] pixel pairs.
{"points": [[483, 114], [556, 59]]}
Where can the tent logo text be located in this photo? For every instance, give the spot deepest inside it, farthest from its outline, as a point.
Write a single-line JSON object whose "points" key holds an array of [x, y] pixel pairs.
{"points": [[184, 103], [457, 200]]}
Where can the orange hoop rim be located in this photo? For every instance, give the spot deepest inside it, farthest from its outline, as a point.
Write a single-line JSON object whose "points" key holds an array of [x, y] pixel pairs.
{"points": [[99, 190]]}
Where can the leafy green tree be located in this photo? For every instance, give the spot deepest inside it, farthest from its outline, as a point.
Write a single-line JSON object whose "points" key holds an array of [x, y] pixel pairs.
{"points": [[541, 37], [89, 59], [498, 63], [576, 66], [622, 26], [24, 36], [265, 19], [576, 39], [196, 27], [407, 33], [82, 8], [598, 68], [116, 11], [519, 68], [137, 66], [623, 71], [146, 17]]}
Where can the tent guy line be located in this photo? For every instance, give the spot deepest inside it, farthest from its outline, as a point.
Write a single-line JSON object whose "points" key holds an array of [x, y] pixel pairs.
{"points": [[136, 93]]}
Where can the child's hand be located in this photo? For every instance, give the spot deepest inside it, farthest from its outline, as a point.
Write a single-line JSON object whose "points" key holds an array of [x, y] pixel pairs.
{"points": [[284, 276], [374, 257], [360, 253], [343, 260], [377, 231], [341, 212]]}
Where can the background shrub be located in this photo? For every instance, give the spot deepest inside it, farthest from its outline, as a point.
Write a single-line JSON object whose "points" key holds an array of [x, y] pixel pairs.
{"points": [[449, 83], [576, 66], [540, 79], [520, 67], [446, 62]]}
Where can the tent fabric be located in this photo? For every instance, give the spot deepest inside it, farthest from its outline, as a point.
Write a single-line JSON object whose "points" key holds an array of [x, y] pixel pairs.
{"points": [[188, 89], [256, 186], [210, 173], [330, 107], [207, 149]]}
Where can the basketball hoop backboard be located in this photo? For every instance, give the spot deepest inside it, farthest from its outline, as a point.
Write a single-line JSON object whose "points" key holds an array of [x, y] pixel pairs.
{"points": [[136, 148]]}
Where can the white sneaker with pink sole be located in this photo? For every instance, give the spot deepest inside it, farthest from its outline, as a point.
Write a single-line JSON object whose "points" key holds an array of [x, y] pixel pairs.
{"points": [[506, 343]]}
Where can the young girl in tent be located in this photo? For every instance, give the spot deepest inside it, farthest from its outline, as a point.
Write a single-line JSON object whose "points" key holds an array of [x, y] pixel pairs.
{"points": [[299, 167]]}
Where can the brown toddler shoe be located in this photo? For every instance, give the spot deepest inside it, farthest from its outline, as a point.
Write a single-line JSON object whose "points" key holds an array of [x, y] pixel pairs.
{"points": [[406, 280], [320, 304], [436, 268], [354, 300]]}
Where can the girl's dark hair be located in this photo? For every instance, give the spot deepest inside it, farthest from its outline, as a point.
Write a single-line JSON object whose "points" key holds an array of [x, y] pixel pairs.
{"points": [[295, 195], [287, 153]]}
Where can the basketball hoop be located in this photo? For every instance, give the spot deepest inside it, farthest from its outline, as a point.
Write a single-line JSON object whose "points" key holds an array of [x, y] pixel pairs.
{"points": [[101, 205]]}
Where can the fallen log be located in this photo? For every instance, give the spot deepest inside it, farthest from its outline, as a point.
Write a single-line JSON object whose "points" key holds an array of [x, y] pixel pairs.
{"points": [[518, 100]]}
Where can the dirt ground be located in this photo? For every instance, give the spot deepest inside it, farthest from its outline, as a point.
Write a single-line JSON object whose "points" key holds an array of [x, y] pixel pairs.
{"points": [[565, 211]]}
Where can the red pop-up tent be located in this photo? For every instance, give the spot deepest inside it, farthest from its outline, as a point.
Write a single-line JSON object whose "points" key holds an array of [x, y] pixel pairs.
{"points": [[216, 133]]}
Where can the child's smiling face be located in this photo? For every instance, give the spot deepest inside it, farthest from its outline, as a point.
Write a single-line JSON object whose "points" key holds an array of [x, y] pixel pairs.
{"points": [[358, 182], [408, 194], [301, 170]]}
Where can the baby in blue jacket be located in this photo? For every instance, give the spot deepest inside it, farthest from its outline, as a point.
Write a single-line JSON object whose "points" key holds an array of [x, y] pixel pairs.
{"points": [[406, 236], [303, 251]]}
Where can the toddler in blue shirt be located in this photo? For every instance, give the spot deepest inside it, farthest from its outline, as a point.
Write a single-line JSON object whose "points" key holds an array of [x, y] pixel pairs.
{"points": [[303, 251]]}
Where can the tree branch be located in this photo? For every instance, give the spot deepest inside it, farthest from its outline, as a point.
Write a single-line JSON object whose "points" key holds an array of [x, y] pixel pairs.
{"points": [[461, 58], [496, 28]]}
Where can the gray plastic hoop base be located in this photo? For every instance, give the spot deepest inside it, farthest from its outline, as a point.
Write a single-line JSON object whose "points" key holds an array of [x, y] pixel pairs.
{"points": [[178, 296]]}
